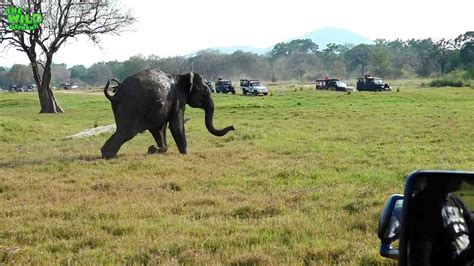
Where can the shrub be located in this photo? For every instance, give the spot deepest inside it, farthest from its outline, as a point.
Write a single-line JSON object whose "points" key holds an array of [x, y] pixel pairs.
{"points": [[446, 82], [455, 78]]}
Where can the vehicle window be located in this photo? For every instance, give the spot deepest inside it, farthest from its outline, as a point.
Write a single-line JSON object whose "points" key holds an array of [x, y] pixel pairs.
{"points": [[466, 194], [440, 221]]}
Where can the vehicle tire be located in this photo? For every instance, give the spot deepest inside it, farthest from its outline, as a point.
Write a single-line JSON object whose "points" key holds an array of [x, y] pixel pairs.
{"points": [[254, 93], [244, 92], [265, 93], [233, 92]]}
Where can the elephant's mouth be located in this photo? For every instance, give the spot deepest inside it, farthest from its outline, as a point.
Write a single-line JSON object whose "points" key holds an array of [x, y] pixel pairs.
{"points": [[209, 109]]}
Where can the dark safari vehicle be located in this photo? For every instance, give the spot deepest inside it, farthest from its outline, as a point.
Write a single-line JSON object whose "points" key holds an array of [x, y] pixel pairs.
{"points": [[332, 84], [209, 84], [369, 83], [432, 222], [224, 86]]}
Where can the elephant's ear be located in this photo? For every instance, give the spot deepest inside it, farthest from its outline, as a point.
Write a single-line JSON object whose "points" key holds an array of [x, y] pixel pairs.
{"points": [[186, 82]]}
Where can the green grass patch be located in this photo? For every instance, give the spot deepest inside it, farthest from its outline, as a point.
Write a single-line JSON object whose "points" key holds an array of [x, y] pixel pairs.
{"points": [[302, 179]]}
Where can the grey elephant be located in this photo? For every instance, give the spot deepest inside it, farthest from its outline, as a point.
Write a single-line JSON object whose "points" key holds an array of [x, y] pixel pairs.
{"points": [[149, 100]]}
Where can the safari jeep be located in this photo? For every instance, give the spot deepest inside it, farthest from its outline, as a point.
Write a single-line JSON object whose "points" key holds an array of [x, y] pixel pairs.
{"points": [[224, 86], [209, 84], [432, 223], [253, 87], [369, 83], [332, 84]]}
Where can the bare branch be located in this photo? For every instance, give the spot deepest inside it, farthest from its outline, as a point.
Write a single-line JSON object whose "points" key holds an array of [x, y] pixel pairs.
{"points": [[62, 19]]}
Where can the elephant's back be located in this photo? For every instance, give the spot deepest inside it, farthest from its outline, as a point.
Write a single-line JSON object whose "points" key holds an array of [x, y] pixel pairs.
{"points": [[148, 83]]}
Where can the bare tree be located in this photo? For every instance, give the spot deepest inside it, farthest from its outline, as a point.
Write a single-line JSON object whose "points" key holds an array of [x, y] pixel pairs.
{"points": [[62, 20]]}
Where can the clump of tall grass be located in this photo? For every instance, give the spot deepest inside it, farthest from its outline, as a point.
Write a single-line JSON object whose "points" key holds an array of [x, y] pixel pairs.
{"points": [[447, 82], [453, 79]]}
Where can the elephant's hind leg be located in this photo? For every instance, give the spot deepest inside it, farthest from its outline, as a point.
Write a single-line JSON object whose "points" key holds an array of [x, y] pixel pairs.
{"points": [[113, 144], [159, 134]]}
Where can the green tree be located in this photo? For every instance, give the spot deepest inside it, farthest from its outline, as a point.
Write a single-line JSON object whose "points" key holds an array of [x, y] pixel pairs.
{"points": [[78, 72], [20, 75], [381, 58], [467, 57], [3, 78], [208, 63], [303, 46], [99, 72], [359, 57], [59, 74], [133, 65], [333, 60], [423, 56], [295, 55], [446, 54]]}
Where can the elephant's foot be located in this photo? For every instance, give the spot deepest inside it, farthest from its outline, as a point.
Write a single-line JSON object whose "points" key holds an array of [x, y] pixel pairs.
{"points": [[108, 154], [154, 149]]}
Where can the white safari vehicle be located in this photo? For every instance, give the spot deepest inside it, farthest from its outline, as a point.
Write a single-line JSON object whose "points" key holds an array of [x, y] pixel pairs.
{"points": [[252, 86]]}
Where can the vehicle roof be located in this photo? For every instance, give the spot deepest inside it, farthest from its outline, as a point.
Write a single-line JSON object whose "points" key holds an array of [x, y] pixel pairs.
{"points": [[328, 79]]}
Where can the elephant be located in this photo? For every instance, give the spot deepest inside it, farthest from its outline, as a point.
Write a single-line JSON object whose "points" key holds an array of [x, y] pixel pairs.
{"points": [[150, 100]]}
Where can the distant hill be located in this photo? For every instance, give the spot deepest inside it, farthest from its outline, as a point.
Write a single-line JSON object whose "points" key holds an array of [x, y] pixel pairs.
{"points": [[321, 37], [232, 49]]}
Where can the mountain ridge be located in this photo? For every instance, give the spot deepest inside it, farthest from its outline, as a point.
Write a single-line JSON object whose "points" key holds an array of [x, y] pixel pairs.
{"points": [[322, 37]]}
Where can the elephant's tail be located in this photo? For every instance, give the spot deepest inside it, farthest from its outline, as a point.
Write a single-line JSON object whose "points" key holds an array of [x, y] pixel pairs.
{"points": [[114, 89]]}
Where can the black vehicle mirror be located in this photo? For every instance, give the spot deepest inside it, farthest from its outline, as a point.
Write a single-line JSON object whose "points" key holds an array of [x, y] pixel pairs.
{"points": [[434, 221], [389, 226]]}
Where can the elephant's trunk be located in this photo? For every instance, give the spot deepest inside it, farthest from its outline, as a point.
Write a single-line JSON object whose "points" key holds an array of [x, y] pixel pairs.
{"points": [[209, 109]]}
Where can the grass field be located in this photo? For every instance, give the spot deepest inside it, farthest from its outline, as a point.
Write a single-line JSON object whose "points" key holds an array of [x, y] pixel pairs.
{"points": [[302, 180]]}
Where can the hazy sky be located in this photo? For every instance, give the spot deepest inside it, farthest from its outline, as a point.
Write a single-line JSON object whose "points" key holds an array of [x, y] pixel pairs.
{"points": [[178, 27]]}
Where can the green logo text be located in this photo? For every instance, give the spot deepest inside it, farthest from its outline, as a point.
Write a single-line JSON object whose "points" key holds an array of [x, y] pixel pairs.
{"points": [[18, 19]]}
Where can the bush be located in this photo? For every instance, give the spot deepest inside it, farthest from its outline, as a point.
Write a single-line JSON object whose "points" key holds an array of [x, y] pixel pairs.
{"points": [[456, 78], [446, 82]]}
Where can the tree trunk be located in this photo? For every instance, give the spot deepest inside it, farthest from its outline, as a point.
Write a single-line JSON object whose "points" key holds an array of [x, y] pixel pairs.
{"points": [[47, 100]]}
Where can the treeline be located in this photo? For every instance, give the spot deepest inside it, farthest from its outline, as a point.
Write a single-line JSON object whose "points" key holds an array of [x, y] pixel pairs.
{"points": [[295, 60]]}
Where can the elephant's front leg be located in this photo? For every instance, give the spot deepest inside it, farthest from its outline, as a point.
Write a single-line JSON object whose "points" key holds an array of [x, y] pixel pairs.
{"points": [[177, 130], [159, 134]]}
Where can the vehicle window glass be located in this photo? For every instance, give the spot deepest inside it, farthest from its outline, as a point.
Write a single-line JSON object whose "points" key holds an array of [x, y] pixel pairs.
{"points": [[440, 217], [466, 194]]}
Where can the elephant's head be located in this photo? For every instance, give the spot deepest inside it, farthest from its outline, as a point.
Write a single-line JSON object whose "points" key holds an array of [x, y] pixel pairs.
{"points": [[198, 95]]}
